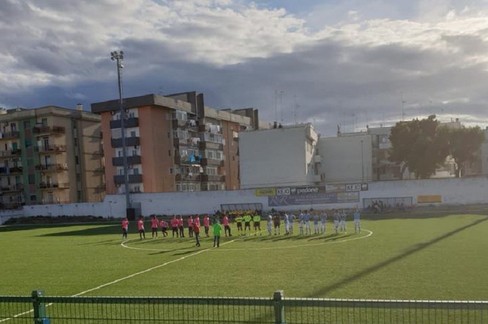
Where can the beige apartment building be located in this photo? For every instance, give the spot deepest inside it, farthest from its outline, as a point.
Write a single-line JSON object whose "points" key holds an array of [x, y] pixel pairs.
{"points": [[49, 155], [173, 143]]}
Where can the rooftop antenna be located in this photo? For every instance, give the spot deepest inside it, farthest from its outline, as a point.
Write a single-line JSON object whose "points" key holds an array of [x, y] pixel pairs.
{"points": [[281, 105], [276, 104], [403, 108], [295, 109]]}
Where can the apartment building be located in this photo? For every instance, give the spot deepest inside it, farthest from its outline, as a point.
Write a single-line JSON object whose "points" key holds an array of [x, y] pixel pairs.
{"points": [[49, 155], [172, 142]]}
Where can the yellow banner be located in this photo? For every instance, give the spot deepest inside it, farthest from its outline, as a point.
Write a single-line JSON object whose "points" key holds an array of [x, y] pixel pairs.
{"points": [[265, 192], [429, 199]]}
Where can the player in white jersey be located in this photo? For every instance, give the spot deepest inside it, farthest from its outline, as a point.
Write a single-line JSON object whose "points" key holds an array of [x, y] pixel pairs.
{"points": [[342, 224], [357, 221], [337, 218], [316, 220], [269, 225], [291, 219], [301, 223], [308, 230], [323, 221]]}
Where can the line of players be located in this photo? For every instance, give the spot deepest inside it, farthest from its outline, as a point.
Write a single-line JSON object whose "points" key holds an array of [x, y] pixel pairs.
{"points": [[307, 218], [243, 221]]}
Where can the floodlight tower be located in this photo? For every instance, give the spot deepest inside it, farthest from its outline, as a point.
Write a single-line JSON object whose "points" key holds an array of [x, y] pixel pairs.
{"points": [[118, 57]]}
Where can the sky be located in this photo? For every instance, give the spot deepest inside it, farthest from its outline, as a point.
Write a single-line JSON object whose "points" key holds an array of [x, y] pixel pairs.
{"points": [[333, 63]]}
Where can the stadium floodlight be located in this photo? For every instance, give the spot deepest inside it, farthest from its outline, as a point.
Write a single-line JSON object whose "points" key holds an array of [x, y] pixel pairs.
{"points": [[118, 57]]}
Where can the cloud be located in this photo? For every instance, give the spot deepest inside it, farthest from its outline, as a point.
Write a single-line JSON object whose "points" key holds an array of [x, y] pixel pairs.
{"points": [[353, 68]]}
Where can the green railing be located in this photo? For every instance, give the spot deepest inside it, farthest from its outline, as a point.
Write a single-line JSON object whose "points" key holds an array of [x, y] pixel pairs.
{"points": [[42, 309]]}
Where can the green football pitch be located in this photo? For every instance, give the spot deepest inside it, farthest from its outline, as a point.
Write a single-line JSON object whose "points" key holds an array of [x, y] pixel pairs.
{"points": [[441, 257]]}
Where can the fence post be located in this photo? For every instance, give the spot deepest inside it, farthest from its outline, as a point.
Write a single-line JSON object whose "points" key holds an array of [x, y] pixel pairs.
{"points": [[279, 308], [39, 308]]}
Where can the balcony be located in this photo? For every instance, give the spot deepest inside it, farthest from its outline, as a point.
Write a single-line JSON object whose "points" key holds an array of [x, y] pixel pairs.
{"points": [[53, 185], [44, 129], [98, 171], [12, 188], [52, 167], [214, 129], [131, 160], [129, 141], [211, 178], [178, 123], [17, 170], [9, 135], [210, 146], [128, 123], [207, 161], [133, 178], [187, 159], [11, 153], [187, 177], [50, 149]]}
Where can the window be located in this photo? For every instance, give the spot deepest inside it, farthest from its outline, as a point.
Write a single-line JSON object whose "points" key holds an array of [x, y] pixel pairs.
{"points": [[45, 142], [32, 178], [211, 170], [26, 124], [33, 198]]}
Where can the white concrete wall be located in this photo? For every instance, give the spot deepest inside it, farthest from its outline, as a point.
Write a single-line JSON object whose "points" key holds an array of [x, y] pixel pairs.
{"points": [[346, 158], [273, 157], [453, 192]]}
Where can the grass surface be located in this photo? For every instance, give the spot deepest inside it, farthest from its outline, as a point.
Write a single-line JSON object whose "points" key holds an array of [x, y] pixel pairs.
{"points": [[440, 257]]}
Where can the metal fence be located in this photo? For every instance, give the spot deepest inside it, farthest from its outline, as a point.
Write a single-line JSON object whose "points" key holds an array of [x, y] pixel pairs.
{"points": [[42, 309]]}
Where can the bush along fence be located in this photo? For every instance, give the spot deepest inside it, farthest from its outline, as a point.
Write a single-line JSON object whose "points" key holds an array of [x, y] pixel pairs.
{"points": [[41, 309]]}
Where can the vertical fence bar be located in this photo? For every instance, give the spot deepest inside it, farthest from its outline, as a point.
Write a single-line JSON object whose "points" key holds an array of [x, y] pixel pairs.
{"points": [[39, 308], [279, 308]]}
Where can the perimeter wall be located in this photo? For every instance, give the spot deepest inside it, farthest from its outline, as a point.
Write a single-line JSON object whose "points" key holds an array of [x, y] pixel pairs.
{"points": [[412, 192]]}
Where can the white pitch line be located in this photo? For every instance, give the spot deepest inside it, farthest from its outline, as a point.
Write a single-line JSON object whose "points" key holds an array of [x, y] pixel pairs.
{"points": [[338, 241], [181, 259], [121, 279], [144, 271]]}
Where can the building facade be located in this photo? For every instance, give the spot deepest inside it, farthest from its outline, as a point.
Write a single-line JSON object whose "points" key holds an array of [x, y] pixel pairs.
{"points": [[346, 158], [172, 143], [49, 155], [279, 156]]}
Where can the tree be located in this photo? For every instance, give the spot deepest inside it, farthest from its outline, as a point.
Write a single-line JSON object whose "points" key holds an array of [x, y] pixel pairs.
{"points": [[463, 145], [417, 146]]}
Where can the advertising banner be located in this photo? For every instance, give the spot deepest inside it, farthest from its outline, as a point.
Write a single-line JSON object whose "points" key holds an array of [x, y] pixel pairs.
{"points": [[313, 198]]}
